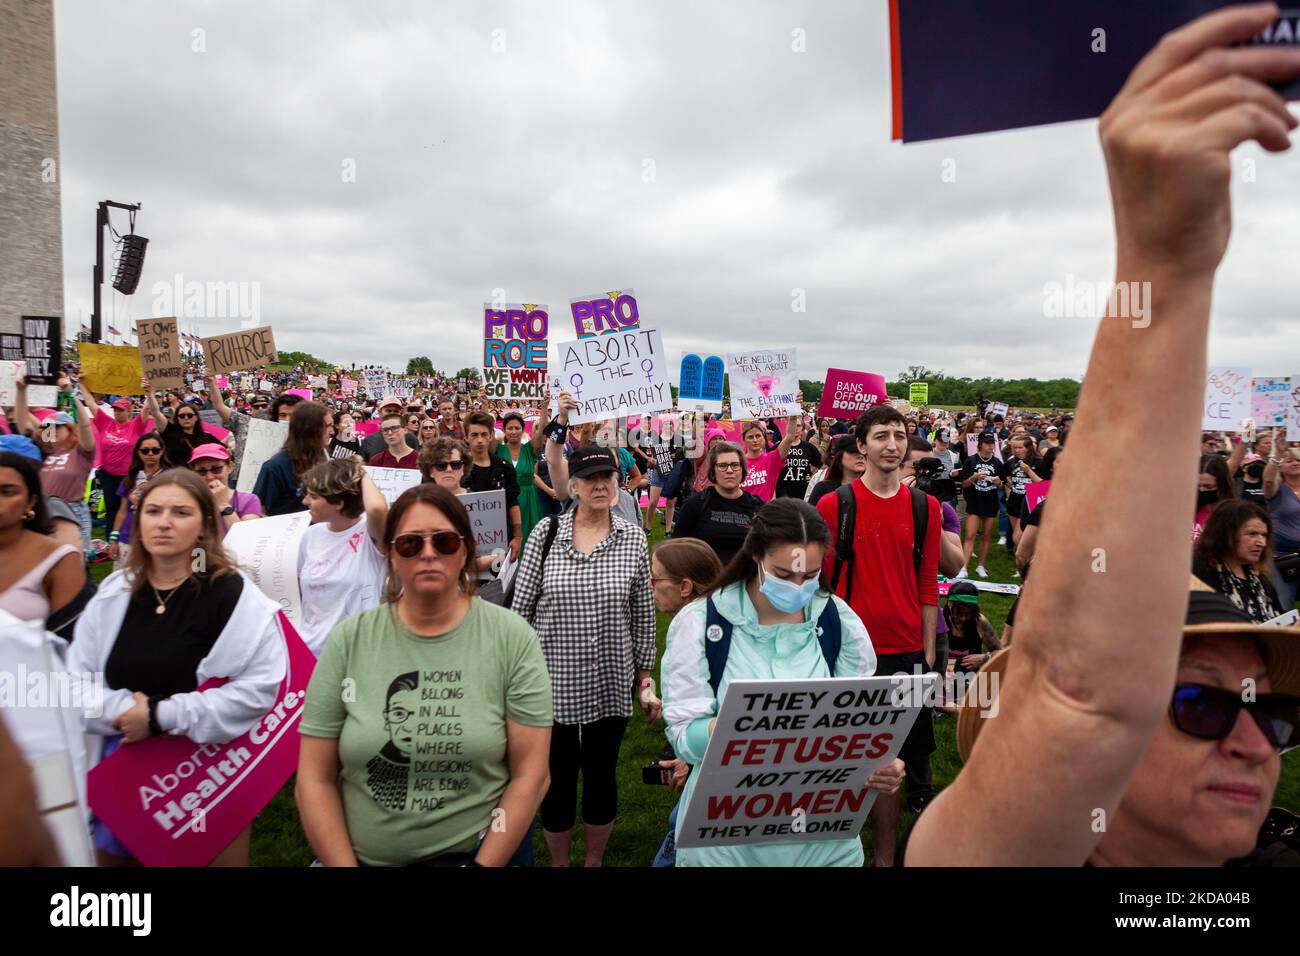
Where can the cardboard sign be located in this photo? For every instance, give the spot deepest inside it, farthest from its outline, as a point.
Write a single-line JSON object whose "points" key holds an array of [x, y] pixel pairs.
{"points": [[1269, 401], [267, 551], [515, 351], [391, 482], [789, 760], [262, 441], [247, 348], [9, 372], [962, 67], [847, 394], [700, 384], [160, 354], [1227, 399], [625, 373], [174, 802], [111, 369], [1035, 492], [489, 519], [39, 344], [918, 393], [1293, 412], [605, 313]]}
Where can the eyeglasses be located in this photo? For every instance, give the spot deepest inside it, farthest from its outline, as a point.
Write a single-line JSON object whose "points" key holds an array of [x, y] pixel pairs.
{"points": [[392, 428], [444, 465], [1210, 713], [412, 544], [727, 466], [151, 451], [213, 470]]}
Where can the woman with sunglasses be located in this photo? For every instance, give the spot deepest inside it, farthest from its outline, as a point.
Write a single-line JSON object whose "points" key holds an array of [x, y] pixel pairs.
{"points": [[211, 462], [184, 433], [341, 562], [846, 465], [438, 756], [311, 428], [159, 628], [443, 462], [1120, 737], [148, 459]]}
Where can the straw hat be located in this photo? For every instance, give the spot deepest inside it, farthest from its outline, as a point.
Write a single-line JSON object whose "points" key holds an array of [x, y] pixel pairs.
{"points": [[1208, 613]]}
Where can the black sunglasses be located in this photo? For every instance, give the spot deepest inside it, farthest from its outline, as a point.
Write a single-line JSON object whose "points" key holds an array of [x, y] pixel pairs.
{"points": [[1210, 713], [444, 465], [412, 544], [151, 451]]}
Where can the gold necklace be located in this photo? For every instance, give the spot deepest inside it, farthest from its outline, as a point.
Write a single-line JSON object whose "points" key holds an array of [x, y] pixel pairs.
{"points": [[162, 602]]}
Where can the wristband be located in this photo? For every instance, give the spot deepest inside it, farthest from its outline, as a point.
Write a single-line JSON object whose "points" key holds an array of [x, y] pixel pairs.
{"points": [[114, 536], [557, 433], [155, 729]]}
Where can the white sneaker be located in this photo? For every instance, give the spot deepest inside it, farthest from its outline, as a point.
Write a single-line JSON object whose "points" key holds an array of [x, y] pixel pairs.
{"points": [[963, 573], [981, 572], [1002, 540]]}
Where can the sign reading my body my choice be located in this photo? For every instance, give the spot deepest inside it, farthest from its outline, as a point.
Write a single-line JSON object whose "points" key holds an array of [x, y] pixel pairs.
{"points": [[1228, 399]]}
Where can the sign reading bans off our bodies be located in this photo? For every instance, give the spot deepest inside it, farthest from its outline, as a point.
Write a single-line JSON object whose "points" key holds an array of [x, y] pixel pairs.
{"points": [[247, 348], [619, 373], [789, 760]]}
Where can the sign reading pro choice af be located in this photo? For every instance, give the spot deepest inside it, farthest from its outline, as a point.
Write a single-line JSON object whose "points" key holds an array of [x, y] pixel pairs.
{"points": [[789, 760]]}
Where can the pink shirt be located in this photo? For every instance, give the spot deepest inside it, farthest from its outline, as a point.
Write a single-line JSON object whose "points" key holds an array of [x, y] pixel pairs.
{"points": [[114, 443], [763, 472]]}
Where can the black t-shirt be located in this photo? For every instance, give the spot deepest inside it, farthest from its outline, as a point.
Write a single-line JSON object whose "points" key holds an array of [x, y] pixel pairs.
{"points": [[975, 465], [1035, 517], [344, 449], [500, 474], [800, 463], [158, 654], [721, 523], [1017, 477]]}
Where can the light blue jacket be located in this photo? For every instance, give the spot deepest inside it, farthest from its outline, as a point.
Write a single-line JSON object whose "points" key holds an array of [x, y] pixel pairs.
{"points": [[763, 652]]}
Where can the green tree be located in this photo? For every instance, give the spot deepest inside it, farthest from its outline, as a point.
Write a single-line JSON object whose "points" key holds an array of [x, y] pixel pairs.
{"points": [[471, 374], [419, 365]]}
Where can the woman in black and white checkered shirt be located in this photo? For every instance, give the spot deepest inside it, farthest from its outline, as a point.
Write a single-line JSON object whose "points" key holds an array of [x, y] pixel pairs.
{"points": [[589, 600]]}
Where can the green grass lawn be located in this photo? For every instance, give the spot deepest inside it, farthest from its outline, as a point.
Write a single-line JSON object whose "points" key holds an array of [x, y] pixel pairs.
{"points": [[643, 810]]}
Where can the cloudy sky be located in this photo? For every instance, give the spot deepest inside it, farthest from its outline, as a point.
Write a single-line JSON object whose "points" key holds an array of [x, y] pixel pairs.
{"points": [[687, 151]]}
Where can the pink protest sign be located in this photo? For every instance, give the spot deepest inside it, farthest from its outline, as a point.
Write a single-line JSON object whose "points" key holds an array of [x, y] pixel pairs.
{"points": [[367, 428], [223, 381], [303, 393], [216, 431], [1035, 492], [848, 394], [177, 803]]}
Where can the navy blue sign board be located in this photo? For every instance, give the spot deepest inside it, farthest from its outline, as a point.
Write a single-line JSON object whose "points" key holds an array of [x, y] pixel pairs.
{"points": [[962, 67]]}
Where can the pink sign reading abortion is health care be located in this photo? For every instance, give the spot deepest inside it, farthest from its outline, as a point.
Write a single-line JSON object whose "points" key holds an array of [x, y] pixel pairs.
{"points": [[174, 802], [848, 394]]}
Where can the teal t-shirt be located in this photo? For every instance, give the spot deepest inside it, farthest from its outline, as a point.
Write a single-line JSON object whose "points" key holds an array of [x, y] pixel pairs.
{"points": [[421, 725]]}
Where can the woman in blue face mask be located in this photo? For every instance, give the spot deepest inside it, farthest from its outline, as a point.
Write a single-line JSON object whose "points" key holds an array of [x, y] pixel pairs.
{"points": [[770, 599]]}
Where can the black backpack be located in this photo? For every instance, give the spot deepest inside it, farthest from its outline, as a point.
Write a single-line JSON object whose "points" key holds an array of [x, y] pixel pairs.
{"points": [[848, 510]]}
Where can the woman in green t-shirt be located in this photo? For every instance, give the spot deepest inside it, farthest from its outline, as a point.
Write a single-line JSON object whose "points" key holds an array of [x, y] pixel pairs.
{"points": [[427, 726]]}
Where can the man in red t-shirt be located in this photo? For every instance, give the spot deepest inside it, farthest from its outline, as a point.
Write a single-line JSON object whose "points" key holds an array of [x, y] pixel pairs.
{"points": [[897, 602]]}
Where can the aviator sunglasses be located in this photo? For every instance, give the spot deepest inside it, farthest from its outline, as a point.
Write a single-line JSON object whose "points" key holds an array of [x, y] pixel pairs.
{"points": [[412, 544]]}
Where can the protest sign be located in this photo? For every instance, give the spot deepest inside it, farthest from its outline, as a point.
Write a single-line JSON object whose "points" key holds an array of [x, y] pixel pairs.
{"points": [[247, 348], [39, 344], [111, 369], [363, 429], [1293, 413], [700, 384], [789, 760], [973, 445], [263, 440], [1269, 401], [222, 381], [995, 409], [488, 518], [918, 393], [403, 388], [303, 393], [1035, 492], [611, 375], [604, 313], [160, 355], [348, 387], [961, 67], [266, 385], [847, 394], [174, 802], [991, 587], [391, 482], [9, 371], [1227, 399], [211, 418], [267, 551], [514, 351], [317, 381], [42, 396], [376, 380]]}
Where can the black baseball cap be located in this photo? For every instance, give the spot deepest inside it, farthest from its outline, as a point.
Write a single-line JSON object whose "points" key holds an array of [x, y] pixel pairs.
{"points": [[589, 460]]}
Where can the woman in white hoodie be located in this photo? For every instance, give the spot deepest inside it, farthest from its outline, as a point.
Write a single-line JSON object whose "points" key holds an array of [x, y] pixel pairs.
{"points": [[177, 615]]}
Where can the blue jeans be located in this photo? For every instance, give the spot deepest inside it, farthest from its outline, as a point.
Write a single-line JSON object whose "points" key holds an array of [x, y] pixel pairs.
{"points": [[667, 855], [81, 511]]}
